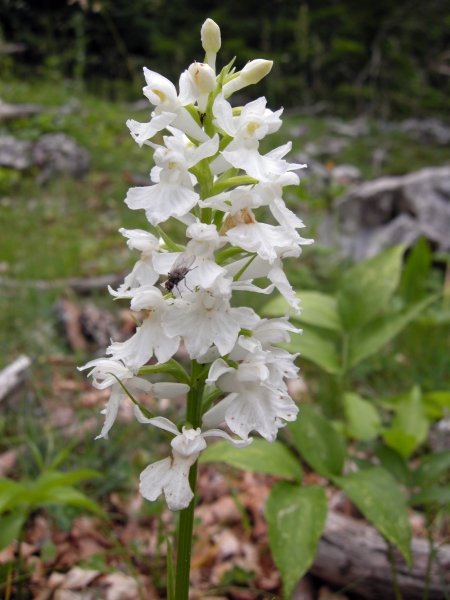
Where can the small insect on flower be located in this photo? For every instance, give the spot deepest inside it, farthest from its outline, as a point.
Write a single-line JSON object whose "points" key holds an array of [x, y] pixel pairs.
{"points": [[180, 269]]}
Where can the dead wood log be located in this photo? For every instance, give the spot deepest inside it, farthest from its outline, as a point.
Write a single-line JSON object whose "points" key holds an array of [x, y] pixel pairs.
{"points": [[13, 375], [353, 553], [81, 285]]}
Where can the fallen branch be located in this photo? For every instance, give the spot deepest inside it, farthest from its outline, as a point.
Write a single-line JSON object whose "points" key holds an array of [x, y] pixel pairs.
{"points": [[13, 375], [82, 285], [352, 553]]}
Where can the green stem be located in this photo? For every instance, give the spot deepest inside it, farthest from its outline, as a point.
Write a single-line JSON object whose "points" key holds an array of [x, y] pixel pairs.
{"points": [[397, 593], [186, 522]]}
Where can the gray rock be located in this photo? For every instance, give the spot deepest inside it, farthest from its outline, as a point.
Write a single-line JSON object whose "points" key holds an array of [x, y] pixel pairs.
{"points": [[59, 153], [393, 210], [427, 131], [15, 154], [353, 129], [8, 112], [326, 146], [346, 174]]}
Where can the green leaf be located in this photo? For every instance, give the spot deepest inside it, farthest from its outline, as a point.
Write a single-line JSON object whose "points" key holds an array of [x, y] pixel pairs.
{"points": [[55, 479], [370, 339], [431, 467], [393, 462], [410, 423], [368, 286], [71, 496], [10, 527], [379, 497], [431, 495], [295, 518], [413, 285], [435, 403], [364, 422], [317, 348], [260, 457], [9, 491], [403, 443], [318, 309], [318, 442]]}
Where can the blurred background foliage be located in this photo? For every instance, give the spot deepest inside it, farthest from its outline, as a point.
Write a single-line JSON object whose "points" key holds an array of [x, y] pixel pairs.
{"points": [[386, 58]]}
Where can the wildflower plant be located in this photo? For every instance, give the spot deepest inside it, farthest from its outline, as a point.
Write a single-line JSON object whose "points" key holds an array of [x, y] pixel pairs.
{"points": [[210, 176]]}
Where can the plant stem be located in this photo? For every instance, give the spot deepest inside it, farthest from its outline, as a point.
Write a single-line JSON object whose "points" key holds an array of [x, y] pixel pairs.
{"points": [[186, 523], [397, 593]]}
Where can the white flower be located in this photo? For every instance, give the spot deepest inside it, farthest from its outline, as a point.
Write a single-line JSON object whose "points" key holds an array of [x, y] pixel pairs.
{"points": [[202, 319], [254, 402], [143, 272], [103, 372], [169, 108], [253, 124], [150, 338], [171, 475], [173, 194]]}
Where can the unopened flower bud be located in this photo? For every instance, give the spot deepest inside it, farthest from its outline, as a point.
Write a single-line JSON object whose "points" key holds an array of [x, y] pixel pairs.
{"points": [[253, 72], [211, 42], [210, 34], [204, 77]]}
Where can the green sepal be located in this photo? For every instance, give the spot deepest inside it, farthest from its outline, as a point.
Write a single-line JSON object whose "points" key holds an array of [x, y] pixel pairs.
{"points": [[232, 181], [172, 367], [209, 399], [171, 245], [144, 411], [246, 332], [221, 257], [136, 320], [245, 267], [194, 113], [227, 174]]}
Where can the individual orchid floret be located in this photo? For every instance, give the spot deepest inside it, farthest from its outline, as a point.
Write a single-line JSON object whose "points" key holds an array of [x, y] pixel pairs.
{"points": [[106, 372], [252, 125], [205, 80], [211, 42], [150, 339], [252, 73], [254, 401], [202, 319], [171, 475], [204, 271], [173, 194], [169, 107], [143, 272]]}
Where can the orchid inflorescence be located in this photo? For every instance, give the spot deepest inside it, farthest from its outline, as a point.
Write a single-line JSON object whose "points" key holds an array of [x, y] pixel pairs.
{"points": [[211, 177]]}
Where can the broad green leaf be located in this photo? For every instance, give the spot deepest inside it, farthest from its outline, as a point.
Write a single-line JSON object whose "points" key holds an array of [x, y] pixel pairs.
{"points": [[370, 339], [260, 456], [431, 495], [71, 496], [431, 467], [435, 404], [410, 419], [9, 491], [10, 527], [295, 518], [54, 479], [379, 497], [363, 420], [413, 284], [393, 462], [318, 309], [368, 286], [317, 348], [401, 442], [318, 442]]}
